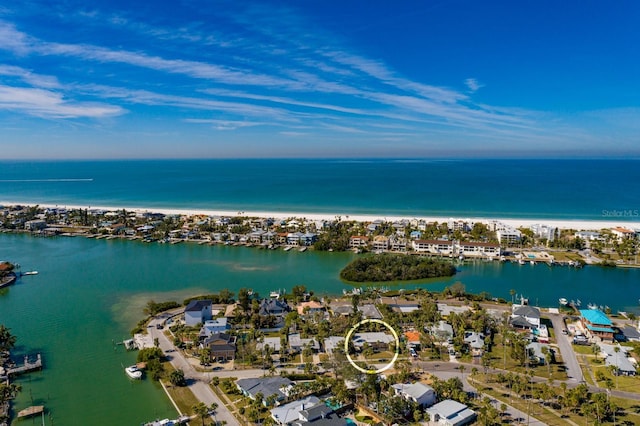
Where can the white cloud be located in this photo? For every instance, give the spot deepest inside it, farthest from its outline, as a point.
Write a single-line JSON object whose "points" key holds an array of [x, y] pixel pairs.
{"points": [[473, 84], [46, 103]]}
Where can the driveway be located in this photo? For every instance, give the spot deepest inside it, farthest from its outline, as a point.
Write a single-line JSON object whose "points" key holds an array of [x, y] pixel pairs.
{"points": [[566, 350]]}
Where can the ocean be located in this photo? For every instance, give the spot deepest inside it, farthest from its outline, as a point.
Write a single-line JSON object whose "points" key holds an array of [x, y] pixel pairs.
{"points": [[90, 293], [552, 189]]}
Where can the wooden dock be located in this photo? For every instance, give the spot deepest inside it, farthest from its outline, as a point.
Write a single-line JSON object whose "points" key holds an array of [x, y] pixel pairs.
{"points": [[31, 411], [26, 367]]}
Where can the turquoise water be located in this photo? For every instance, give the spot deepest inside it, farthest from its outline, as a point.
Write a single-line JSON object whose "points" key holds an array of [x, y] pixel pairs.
{"points": [[562, 189], [90, 293]]}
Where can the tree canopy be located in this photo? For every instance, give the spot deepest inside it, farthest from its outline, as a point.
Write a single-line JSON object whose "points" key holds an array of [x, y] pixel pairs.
{"points": [[395, 267]]}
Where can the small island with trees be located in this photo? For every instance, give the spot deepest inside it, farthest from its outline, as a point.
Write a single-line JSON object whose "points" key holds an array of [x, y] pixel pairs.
{"points": [[394, 267]]}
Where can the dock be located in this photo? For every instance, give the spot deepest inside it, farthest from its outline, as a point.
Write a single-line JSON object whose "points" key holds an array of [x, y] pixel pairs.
{"points": [[26, 367], [31, 411]]}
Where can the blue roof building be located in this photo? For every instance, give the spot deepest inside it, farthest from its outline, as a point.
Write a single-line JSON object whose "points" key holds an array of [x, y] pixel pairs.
{"points": [[597, 323]]}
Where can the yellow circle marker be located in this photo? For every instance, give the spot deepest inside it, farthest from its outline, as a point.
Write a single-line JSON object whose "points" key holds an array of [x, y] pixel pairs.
{"points": [[371, 321]]}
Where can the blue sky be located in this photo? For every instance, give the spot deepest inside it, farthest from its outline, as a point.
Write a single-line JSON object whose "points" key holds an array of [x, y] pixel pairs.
{"points": [[219, 79]]}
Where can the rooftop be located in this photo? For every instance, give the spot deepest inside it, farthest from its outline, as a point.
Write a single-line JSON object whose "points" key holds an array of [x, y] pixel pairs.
{"points": [[595, 316]]}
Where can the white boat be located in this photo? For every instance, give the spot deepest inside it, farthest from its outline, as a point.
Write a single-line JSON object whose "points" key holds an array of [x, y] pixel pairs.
{"points": [[563, 301], [133, 372], [30, 273]]}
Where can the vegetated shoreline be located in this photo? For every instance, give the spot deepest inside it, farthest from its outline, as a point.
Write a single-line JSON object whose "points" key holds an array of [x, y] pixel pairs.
{"points": [[585, 225], [390, 268]]}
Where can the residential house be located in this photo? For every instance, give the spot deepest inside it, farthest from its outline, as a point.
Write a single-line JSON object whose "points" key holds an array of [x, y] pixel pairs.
{"points": [[398, 244], [413, 338], [218, 325], [442, 331], [419, 393], [380, 243], [536, 354], [341, 308], [623, 233], [369, 311], [276, 386], [439, 247], [597, 323], [475, 342], [445, 309], [451, 413], [630, 334], [274, 344], [308, 239], [333, 342], [198, 312], [525, 317], [400, 305], [289, 413], [221, 346], [358, 241], [274, 307], [294, 238], [617, 358], [296, 343], [310, 308], [377, 340], [478, 249], [35, 225]]}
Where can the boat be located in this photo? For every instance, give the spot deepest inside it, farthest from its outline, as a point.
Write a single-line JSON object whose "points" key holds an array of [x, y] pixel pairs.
{"points": [[30, 273], [592, 306], [563, 301], [531, 262], [133, 372], [520, 262]]}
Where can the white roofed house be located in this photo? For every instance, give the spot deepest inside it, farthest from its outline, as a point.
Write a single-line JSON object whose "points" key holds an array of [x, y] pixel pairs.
{"points": [[440, 247], [376, 340], [617, 358], [419, 393], [451, 413], [478, 249], [277, 386], [508, 236]]}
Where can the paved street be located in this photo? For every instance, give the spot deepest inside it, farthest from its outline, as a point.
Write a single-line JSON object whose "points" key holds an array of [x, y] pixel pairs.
{"points": [[564, 344], [197, 382]]}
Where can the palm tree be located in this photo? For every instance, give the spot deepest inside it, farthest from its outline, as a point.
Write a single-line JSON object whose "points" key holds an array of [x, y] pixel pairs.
{"points": [[7, 340], [212, 410], [200, 410]]}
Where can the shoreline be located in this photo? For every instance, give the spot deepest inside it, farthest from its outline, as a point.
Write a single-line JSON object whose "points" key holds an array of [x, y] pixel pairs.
{"points": [[578, 224]]}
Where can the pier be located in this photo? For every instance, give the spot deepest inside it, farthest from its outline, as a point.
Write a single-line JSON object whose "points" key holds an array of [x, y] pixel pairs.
{"points": [[26, 367], [31, 411]]}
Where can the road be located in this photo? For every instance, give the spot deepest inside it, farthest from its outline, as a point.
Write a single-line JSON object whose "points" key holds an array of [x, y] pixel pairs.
{"points": [[568, 355], [197, 382]]}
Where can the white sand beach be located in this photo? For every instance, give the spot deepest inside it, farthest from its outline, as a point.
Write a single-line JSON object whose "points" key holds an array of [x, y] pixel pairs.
{"points": [[581, 225]]}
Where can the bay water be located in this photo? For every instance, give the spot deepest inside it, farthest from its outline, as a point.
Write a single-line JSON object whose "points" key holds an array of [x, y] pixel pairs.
{"points": [[90, 293]]}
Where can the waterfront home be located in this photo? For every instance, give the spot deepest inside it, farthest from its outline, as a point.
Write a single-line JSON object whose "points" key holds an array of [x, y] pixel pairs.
{"points": [[525, 317], [617, 358], [623, 233], [597, 324], [198, 312], [221, 346], [289, 413], [358, 241], [256, 236], [445, 309], [439, 247], [380, 243], [451, 413], [275, 307], [293, 238], [310, 308], [478, 249], [276, 386], [421, 394], [297, 344], [377, 340], [400, 305], [630, 334], [340, 307], [397, 244], [308, 239], [35, 225]]}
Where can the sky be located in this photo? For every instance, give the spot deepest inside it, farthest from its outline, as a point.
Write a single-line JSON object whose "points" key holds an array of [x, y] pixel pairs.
{"points": [[308, 78]]}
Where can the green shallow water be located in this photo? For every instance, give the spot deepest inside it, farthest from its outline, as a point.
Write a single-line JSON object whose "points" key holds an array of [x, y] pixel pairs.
{"points": [[90, 293]]}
